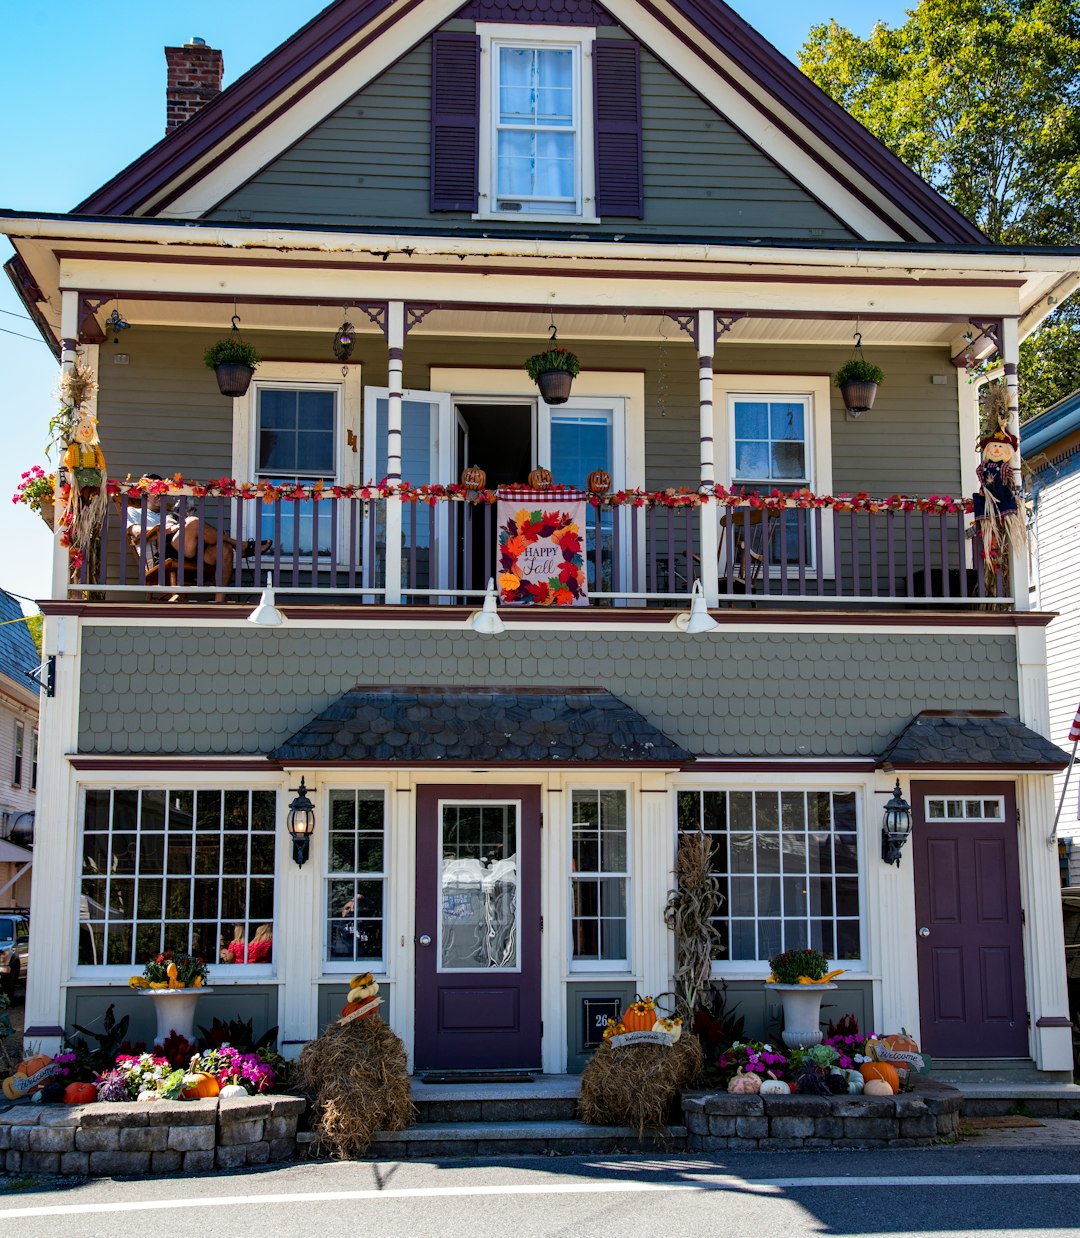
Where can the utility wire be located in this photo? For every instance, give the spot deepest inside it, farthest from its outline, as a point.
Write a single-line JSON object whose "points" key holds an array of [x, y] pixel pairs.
{"points": [[12, 314], [34, 339]]}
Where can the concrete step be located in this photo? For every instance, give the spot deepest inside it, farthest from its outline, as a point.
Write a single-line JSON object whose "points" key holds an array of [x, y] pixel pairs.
{"points": [[1037, 1100], [994, 1070], [545, 1098], [436, 1140]]}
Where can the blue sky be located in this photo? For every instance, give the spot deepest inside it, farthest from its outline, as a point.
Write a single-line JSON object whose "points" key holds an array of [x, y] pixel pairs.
{"points": [[82, 94]]}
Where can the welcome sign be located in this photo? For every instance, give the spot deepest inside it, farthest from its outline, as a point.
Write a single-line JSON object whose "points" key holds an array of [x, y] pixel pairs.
{"points": [[542, 546]]}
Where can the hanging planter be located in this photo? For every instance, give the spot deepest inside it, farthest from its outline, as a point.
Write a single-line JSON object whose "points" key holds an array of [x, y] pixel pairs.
{"points": [[233, 361], [858, 381], [553, 371]]}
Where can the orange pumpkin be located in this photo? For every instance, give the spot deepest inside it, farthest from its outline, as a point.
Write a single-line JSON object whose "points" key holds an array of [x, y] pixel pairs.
{"points": [[473, 478], [205, 1086], [80, 1094], [349, 1007], [882, 1071], [599, 482], [901, 1042], [640, 1016], [540, 479], [31, 1065]]}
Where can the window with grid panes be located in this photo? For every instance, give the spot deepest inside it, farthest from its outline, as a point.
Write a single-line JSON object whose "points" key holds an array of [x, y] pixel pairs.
{"points": [[599, 872], [788, 867], [190, 871], [356, 881]]}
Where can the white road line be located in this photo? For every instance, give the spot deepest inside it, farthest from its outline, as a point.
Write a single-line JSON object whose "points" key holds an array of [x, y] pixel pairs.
{"points": [[756, 1186]]}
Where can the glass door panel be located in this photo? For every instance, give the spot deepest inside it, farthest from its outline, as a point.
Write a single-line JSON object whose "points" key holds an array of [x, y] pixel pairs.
{"points": [[478, 894]]}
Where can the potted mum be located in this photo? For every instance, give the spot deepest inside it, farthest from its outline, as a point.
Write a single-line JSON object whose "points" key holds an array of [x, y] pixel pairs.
{"points": [[553, 371], [800, 977], [234, 362], [175, 983], [858, 381]]}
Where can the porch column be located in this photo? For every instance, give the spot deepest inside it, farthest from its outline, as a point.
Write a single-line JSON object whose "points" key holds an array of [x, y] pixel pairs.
{"points": [[69, 333], [706, 344], [395, 339], [1010, 357], [299, 897], [654, 876]]}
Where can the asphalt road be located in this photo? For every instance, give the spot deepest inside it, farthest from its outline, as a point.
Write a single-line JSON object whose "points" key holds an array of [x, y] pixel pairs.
{"points": [[957, 1190]]}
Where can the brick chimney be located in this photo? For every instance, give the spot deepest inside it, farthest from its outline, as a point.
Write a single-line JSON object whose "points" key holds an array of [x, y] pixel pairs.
{"points": [[195, 72]]}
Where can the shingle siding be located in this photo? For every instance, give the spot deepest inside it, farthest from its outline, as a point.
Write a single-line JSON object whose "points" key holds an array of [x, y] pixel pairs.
{"points": [[369, 162], [233, 690]]}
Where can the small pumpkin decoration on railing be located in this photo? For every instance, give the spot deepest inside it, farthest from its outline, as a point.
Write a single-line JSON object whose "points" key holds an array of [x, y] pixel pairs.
{"points": [[599, 482], [540, 479], [473, 478], [640, 1015]]}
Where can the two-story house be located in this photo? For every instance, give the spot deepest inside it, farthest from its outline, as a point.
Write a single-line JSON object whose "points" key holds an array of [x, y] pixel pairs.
{"points": [[497, 798]]}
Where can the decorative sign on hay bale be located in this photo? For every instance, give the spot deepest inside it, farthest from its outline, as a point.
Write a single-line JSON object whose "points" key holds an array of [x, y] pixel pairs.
{"points": [[637, 1083], [357, 1077]]}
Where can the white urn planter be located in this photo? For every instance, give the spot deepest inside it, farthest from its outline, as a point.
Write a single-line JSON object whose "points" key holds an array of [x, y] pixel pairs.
{"points": [[174, 1010], [802, 1013]]}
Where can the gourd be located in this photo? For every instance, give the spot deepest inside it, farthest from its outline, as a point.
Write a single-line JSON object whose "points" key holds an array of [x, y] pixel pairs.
{"points": [[773, 1086], [80, 1094], [540, 479], [231, 1090], [855, 1081], [640, 1016], [598, 482], [473, 478], [204, 1087], [879, 1072], [744, 1084], [877, 1087]]}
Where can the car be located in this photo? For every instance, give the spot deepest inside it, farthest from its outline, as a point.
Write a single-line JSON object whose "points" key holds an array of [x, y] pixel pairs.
{"points": [[14, 950]]}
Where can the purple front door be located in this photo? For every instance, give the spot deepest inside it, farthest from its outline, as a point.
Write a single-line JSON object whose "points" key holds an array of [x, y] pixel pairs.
{"points": [[968, 919], [477, 928]]}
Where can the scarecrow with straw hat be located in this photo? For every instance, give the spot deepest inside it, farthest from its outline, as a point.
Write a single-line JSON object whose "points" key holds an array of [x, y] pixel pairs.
{"points": [[997, 510]]}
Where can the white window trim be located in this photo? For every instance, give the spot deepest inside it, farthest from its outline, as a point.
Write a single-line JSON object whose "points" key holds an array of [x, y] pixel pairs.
{"points": [[339, 967], [747, 969], [579, 39], [620, 967], [964, 818], [221, 974], [441, 433], [817, 388]]}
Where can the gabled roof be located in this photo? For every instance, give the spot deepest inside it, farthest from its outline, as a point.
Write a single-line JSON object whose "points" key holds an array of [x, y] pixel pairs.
{"points": [[18, 653], [789, 104], [492, 726], [981, 739], [1051, 426]]}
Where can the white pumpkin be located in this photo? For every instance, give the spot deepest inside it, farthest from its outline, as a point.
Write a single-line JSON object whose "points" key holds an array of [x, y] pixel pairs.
{"points": [[672, 1027], [233, 1089], [877, 1087], [363, 991], [774, 1087]]}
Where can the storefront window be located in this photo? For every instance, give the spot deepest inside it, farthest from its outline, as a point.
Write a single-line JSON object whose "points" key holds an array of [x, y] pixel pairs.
{"points": [[788, 867], [599, 872], [356, 880], [190, 871]]}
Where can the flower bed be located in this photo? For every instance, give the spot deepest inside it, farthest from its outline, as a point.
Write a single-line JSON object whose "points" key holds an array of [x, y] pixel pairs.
{"points": [[133, 1137], [720, 1120]]}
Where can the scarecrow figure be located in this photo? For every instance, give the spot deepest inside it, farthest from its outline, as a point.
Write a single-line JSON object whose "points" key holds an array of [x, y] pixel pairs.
{"points": [[83, 462], [997, 511]]}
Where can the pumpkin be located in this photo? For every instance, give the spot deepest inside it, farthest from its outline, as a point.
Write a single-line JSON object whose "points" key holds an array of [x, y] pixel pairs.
{"points": [[640, 1016], [204, 1086], [855, 1081], [901, 1042], [231, 1090], [877, 1087], [473, 478], [362, 991], [743, 1084], [540, 479], [80, 1094], [879, 1072], [599, 482], [349, 1007], [773, 1086], [673, 1027], [359, 981]]}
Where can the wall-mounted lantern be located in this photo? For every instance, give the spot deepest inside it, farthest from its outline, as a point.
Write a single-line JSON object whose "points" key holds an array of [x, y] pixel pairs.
{"points": [[895, 827], [301, 823]]}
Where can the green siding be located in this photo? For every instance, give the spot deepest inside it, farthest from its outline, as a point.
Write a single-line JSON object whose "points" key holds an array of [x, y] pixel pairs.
{"points": [[162, 413], [368, 164], [176, 689]]}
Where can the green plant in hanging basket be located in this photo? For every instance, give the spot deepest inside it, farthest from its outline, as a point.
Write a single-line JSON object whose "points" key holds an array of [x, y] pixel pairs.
{"points": [[859, 371], [552, 359], [231, 351]]}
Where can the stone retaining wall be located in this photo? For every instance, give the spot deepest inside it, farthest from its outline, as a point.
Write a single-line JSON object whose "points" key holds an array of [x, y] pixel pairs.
{"points": [[192, 1136], [717, 1120]]}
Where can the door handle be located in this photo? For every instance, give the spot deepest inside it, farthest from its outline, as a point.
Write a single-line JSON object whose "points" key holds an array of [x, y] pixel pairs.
{"points": [[425, 940], [924, 932]]}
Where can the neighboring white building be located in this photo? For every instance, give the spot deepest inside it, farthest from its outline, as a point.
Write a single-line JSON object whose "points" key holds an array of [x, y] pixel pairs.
{"points": [[18, 754]]}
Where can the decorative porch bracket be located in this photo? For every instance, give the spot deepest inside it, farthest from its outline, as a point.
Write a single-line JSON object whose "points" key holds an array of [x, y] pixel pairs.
{"points": [[688, 321]]}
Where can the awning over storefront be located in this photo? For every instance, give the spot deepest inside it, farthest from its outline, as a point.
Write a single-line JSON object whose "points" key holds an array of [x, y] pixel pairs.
{"points": [[975, 739], [493, 726]]}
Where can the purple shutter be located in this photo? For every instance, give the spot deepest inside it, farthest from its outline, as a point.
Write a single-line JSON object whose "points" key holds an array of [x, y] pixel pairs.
{"points": [[455, 121], [617, 83]]}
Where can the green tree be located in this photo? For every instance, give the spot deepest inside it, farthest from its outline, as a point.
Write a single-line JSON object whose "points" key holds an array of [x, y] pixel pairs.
{"points": [[982, 99]]}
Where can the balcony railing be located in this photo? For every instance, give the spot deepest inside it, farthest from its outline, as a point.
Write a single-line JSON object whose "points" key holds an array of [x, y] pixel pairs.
{"points": [[640, 550]]}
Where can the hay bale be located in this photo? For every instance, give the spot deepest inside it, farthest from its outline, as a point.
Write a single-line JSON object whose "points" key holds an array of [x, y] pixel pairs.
{"points": [[637, 1085], [357, 1078]]}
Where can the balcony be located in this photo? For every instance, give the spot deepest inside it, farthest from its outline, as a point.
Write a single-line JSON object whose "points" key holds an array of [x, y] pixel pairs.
{"points": [[641, 550]]}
